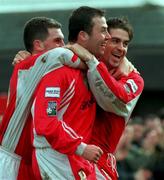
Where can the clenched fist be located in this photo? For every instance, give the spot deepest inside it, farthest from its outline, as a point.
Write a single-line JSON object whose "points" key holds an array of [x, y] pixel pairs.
{"points": [[92, 153]]}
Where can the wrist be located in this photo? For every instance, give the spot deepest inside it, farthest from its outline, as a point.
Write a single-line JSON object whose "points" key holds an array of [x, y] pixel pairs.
{"points": [[80, 149], [92, 63]]}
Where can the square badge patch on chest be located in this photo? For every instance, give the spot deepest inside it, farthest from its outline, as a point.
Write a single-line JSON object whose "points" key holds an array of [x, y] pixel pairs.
{"points": [[52, 108]]}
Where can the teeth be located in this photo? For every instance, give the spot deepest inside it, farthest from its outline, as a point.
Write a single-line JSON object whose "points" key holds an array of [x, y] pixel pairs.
{"points": [[116, 55]]}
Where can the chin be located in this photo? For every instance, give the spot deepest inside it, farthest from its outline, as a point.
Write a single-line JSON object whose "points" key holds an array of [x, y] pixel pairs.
{"points": [[114, 65]]}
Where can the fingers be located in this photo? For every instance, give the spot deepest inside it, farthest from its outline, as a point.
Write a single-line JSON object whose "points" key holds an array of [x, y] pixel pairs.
{"points": [[98, 155], [100, 151], [92, 153], [17, 59], [96, 158], [21, 55], [83, 53]]}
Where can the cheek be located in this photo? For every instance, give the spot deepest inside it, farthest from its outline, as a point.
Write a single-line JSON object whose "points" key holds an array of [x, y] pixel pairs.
{"points": [[51, 44], [107, 51], [109, 46], [125, 51]]}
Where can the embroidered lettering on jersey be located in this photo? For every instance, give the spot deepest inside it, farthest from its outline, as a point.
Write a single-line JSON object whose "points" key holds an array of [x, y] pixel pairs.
{"points": [[52, 108], [127, 89], [132, 85], [52, 92]]}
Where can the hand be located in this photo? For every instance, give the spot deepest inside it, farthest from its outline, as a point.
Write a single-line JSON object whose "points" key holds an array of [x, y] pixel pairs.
{"points": [[20, 56], [82, 53], [124, 69], [92, 153]]}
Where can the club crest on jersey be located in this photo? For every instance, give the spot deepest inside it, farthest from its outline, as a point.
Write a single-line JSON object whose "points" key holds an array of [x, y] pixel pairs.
{"points": [[52, 92], [52, 108]]}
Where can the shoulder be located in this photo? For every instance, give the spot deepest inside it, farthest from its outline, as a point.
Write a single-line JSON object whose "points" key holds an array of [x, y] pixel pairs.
{"points": [[62, 73], [59, 52], [135, 76]]}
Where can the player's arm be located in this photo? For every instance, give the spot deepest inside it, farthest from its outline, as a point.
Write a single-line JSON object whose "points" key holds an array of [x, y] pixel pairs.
{"points": [[124, 68], [74, 61], [112, 95], [117, 96]]}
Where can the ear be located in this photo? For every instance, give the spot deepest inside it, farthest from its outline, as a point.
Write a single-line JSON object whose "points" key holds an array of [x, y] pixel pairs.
{"points": [[38, 45], [83, 35]]}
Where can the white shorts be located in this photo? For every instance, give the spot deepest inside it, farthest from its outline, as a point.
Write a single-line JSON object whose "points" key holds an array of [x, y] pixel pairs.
{"points": [[9, 164]]}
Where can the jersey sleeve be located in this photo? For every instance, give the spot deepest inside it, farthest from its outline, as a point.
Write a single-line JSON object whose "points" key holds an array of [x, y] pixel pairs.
{"points": [[70, 59], [48, 100], [119, 97], [12, 86], [62, 56]]}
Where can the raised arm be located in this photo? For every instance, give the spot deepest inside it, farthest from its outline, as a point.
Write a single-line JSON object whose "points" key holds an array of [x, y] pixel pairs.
{"points": [[113, 95]]}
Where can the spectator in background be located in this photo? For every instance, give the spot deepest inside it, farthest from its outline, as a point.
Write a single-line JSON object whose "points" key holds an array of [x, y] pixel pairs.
{"points": [[150, 140], [152, 121], [135, 157], [153, 147], [138, 125], [147, 160], [130, 165], [126, 162], [154, 152], [161, 115]]}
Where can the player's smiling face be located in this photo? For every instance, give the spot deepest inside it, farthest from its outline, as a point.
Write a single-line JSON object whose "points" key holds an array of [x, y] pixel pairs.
{"points": [[97, 40], [116, 48]]}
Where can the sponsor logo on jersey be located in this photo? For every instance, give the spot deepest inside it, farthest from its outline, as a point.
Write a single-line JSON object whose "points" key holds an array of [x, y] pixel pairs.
{"points": [[52, 108], [52, 92], [132, 85]]}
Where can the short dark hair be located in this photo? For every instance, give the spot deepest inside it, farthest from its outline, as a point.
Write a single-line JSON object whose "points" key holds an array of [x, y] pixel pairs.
{"points": [[37, 28], [81, 20], [121, 23]]}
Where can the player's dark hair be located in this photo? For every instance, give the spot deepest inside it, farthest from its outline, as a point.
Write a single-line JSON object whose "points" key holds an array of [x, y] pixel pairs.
{"points": [[37, 28], [121, 23], [82, 20]]}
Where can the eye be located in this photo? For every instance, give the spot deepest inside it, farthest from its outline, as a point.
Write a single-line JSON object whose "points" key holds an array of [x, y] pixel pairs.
{"points": [[104, 30], [126, 43], [57, 40], [115, 40]]}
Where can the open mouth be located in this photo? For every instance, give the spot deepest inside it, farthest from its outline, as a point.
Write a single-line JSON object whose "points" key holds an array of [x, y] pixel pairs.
{"points": [[116, 56]]}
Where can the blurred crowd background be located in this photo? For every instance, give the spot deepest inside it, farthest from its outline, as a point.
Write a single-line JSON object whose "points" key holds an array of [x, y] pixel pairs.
{"points": [[140, 154]]}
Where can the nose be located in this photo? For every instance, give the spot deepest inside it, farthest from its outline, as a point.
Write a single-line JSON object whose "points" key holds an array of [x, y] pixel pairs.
{"points": [[108, 36], [61, 44], [121, 46]]}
